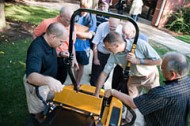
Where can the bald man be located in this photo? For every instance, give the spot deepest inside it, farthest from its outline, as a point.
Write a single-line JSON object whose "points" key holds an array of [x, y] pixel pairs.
{"points": [[100, 53], [63, 18], [41, 67], [166, 105], [62, 51]]}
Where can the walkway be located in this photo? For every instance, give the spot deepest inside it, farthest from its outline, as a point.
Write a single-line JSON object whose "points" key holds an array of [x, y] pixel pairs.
{"points": [[163, 38]]}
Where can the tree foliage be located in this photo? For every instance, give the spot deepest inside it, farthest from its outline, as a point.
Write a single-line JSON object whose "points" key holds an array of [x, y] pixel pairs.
{"points": [[180, 21]]}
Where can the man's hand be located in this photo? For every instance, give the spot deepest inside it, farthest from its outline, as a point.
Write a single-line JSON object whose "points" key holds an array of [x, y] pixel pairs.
{"points": [[64, 54], [96, 61], [97, 95], [75, 64], [55, 85], [132, 58], [108, 93]]}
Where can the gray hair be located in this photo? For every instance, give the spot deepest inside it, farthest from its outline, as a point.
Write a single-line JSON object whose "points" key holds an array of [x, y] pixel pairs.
{"points": [[56, 29], [177, 62], [129, 26]]}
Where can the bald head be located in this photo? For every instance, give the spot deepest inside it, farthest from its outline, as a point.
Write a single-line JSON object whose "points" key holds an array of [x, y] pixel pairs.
{"points": [[128, 30], [176, 62], [56, 29], [56, 34], [113, 23], [65, 15]]}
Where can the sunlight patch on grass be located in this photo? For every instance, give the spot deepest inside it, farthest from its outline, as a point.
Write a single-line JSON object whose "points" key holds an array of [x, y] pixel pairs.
{"points": [[31, 14], [185, 38], [1, 52]]}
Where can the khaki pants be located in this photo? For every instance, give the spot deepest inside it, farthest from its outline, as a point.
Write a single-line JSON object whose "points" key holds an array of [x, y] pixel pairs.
{"points": [[136, 84], [35, 105]]}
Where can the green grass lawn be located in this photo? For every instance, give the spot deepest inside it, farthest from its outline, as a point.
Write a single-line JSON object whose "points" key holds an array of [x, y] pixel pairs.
{"points": [[185, 38], [13, 108], [29, 14], [161, 51]]}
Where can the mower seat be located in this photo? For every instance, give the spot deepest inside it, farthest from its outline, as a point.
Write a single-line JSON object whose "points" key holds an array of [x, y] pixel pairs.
{"points": [[64, 117]]}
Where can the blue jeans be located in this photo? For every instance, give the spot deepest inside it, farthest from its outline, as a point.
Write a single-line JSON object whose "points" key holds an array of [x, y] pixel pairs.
{"points": [[135, 17]]}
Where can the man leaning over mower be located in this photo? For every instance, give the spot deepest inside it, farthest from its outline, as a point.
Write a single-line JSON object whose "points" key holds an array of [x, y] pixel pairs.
{"points": [[144, 73], [166, 105], [41, 68]]}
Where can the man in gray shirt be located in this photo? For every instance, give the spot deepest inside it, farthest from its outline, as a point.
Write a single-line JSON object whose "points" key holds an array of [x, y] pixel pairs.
{"points": [[144, 72]]}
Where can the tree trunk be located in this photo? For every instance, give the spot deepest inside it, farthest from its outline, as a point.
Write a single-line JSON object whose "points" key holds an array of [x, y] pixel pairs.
{"points": [[2, 16]]}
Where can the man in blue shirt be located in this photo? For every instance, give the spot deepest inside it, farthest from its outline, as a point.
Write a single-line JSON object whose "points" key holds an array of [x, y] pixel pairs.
{"points": [[41, 68], [166, 105]]}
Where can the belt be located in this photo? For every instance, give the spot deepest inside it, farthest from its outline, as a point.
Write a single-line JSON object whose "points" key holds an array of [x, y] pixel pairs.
{"points": [[145, 77]]}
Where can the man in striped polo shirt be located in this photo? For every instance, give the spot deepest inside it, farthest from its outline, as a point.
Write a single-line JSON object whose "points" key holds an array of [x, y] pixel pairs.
{"points": [[166, 105]]}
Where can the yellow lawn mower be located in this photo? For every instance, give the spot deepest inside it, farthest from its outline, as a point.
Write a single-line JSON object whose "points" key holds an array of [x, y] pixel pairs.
{"points": [[78, 106]]}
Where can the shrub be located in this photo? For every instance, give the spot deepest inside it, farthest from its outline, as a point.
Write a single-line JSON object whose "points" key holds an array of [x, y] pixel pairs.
{"points": [[180, 21]]}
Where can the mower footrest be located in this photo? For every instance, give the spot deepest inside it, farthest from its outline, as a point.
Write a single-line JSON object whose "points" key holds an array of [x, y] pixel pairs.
{"points": [[64, 117]]}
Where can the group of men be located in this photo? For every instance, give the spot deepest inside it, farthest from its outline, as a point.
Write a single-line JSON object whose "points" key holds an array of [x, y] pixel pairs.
{"points": [[112, 42]]}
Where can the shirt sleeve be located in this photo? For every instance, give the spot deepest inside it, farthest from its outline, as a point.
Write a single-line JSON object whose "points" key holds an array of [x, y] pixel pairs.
{"points": [[147, 50], [151, 102], [41, 28], [34, 60], [110, 64], [97, 37], [93, 27]]}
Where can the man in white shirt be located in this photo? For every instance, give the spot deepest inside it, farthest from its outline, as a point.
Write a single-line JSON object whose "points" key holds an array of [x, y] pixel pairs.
{"points": [[100, 53]]}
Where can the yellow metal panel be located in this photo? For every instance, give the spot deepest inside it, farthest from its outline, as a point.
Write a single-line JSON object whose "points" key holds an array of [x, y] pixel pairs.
{"points": [[79, 100], [105, 115], [90, 89], [114, 103]]}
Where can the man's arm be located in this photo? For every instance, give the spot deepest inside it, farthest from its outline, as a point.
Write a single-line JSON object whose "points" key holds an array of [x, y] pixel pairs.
{"points": [[95, 55], [40, 80], [100, 83], [85, 35], [121, 96], [132, 58], [74, 62]]}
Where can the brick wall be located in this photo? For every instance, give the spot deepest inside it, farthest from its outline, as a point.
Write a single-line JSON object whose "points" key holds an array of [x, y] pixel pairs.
{"points": [[170, 7]]}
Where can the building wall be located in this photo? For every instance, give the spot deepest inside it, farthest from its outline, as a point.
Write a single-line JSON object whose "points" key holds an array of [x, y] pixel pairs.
{"points": [[169, 7]]}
